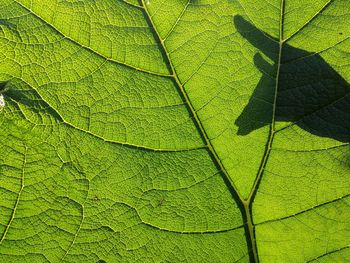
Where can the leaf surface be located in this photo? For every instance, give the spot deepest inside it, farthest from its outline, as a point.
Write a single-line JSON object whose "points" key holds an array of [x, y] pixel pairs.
{"points": [[187, 130]]}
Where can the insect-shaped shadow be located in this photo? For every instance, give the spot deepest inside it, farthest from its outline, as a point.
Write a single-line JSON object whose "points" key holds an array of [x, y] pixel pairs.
{"points": [[310, 93]]}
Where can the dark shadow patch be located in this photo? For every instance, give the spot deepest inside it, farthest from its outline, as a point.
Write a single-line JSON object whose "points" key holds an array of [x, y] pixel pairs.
{"points": [[21, 93], [310, 93]]}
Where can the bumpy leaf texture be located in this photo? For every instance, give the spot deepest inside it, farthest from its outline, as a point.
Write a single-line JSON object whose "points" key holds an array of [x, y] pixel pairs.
{"points": [[174, 131]]}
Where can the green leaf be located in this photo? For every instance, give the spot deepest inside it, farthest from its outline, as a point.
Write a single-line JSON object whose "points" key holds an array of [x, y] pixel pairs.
{"points": [[174, 131]]}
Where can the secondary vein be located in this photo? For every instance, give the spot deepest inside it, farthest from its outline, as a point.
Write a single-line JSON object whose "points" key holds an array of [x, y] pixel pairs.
{"points": [[189, 104], [89, 48], [17, 199]]}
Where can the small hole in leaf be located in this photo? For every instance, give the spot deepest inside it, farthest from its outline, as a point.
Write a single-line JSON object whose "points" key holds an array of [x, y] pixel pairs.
{"points": [[2, 102]]}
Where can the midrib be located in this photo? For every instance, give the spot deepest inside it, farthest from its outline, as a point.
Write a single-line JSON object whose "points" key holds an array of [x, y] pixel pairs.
{"points": [[189, 104]]}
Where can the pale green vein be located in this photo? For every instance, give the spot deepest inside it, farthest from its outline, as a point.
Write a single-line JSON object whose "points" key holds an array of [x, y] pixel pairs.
{"points": [[185, 187], [201, 64], [313, 150], [316, 53], [125, 144], [305, 211], [177, 21], [203, 232], [309, 21], [78, 230], [328, 253], [218, 231], [18, 197], [131, 4], [139, 147], [255, 25]]}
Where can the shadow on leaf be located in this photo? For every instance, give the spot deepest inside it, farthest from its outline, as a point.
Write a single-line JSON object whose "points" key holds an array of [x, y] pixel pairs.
{"points": [[310, 93], [21, 93]]}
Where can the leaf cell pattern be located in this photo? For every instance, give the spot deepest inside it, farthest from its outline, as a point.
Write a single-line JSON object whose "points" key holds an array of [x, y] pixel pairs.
{"points": [[187, 130]]}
